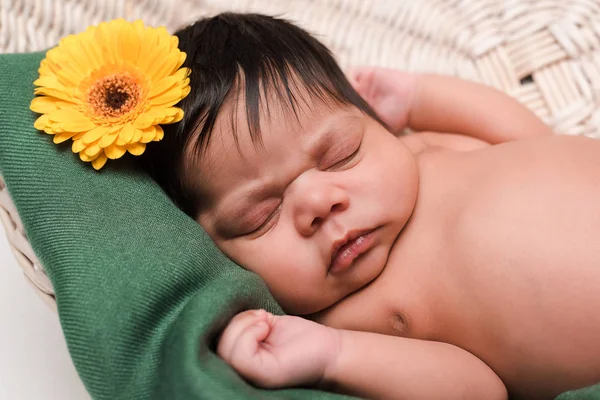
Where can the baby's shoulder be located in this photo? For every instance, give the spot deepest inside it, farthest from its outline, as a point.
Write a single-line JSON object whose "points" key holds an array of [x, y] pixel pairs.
{"points": [[450, 141]]}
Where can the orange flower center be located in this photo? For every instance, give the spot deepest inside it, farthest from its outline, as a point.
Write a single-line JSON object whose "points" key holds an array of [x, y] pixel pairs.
{"points": [[114, 95]]}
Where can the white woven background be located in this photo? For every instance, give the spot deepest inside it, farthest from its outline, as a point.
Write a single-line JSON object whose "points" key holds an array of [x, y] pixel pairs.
{"points": [[498, 42]]}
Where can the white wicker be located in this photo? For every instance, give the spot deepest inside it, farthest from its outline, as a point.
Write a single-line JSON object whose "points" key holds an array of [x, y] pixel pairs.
{"points": [[545, 53], [22, 250]]}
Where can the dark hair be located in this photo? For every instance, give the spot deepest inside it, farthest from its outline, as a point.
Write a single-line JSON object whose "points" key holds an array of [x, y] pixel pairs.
{"points": [[268, 54]]}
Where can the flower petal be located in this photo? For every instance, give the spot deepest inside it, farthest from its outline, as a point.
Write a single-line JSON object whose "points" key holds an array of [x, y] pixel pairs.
{"points": [[71, 56], [163, 85], [99, 161], [137, 135], [42, 122], [168, 98], [68, 77], [174, 42], [128, 43], [94, 134], [178, 115], [66, 95], [182, 58], [163, 67], [63, 137], [104, 37], [50, 82], [108, 139], [92, 150], [126, 133], [91, 50], [113, 151], [167, 121], [148, 134], [43, 104], [48, 68], [84, 157], [79, 135], [143, 121], [72, 120], [157, 114], [163, 36], [152, 54], [159, 133], [77, 146], [136, 149], [182, 73], [138, 24]]}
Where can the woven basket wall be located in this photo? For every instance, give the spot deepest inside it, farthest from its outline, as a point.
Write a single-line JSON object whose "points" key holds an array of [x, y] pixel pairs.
{"points": [[545, 53]]}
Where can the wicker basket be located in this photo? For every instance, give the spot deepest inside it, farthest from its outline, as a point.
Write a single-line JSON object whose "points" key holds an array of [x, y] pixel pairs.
{"points": [[545, 53], [34, 273]]}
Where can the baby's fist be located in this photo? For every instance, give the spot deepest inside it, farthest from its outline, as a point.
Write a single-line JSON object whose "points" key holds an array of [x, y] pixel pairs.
{"points": [[278, 351]]}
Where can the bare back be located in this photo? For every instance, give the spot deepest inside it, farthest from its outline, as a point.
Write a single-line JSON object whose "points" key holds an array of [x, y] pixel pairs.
{"points": [[500, 258]]}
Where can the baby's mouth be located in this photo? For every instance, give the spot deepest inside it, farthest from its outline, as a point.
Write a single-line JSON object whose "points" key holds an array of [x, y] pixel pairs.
{"points": [[349, 248]]}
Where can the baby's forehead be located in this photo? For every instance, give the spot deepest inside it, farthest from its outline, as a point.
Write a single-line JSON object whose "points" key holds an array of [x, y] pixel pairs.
{"points": [[245, 133], [238, 133], [233, 158]]}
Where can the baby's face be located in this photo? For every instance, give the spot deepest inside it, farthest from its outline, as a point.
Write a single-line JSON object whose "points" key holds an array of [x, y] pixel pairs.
{"points": [[316, 209]]}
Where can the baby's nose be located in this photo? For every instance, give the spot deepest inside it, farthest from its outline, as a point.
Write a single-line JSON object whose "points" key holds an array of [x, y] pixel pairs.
{"points": [[316, 204]]}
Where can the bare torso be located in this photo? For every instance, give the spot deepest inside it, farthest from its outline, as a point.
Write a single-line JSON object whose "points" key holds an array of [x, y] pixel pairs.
{"points": [[500, 258]]}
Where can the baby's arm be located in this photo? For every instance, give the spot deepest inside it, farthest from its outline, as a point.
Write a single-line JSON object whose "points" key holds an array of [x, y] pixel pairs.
{"points": [[282, 351], [426, 102]]}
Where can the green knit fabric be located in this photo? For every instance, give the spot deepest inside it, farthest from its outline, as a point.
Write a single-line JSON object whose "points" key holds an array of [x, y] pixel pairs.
{"points": [[590, 393], [141, 290]]}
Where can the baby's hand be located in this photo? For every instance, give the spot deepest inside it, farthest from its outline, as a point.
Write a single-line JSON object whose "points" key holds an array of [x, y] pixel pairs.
{"points": [[390, 93], [278, 351]]}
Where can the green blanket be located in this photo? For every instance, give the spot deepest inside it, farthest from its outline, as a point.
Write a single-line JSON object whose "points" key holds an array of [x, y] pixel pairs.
{"points": [[141, 290]]}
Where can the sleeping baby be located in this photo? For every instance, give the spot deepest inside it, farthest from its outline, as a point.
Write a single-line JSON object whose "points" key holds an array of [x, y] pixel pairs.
{"points": [[454, 262]]}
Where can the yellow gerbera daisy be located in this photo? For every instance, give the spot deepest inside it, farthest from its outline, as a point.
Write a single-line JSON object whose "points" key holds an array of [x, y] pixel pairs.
{"points": [[109, 89]]}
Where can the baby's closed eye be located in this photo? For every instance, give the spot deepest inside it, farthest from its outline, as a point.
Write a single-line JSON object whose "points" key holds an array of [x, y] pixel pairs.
{"points": [[343, 158], [266, 224]]}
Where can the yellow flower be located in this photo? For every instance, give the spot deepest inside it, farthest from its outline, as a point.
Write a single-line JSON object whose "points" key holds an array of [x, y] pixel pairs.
{"points": [[109, 89]]}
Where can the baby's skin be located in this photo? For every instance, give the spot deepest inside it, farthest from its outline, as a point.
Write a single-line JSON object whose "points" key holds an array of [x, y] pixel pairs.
{"points": [[461, 264]]}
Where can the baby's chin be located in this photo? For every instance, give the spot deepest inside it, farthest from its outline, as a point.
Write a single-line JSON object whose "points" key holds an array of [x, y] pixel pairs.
{"points": [[305, 309], [312, 313]]}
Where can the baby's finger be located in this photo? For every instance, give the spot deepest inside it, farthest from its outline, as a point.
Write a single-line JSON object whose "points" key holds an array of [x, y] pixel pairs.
{"points": [[353, 75], [356, 75], [244, 319], [244, 356], [235, 328]]}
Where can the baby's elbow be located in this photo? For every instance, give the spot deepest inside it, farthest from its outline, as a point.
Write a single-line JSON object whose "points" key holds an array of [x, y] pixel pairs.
{"points": [[490, 387], [498, 390], [482, 381]]}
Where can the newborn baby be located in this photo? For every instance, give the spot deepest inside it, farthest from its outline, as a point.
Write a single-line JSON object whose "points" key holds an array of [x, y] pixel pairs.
{"points": [[445, 265]]}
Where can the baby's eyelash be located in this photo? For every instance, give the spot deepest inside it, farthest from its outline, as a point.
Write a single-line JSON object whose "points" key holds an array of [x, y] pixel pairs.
{"points": [[259, 230], [346, 160]]}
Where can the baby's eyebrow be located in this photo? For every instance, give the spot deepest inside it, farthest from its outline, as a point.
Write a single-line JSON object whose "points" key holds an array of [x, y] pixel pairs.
{"points": [[329, 133], [323, 142]]}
